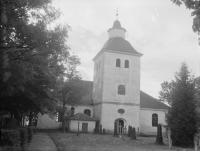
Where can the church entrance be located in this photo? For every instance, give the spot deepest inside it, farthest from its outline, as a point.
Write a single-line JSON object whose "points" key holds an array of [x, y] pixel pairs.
{"points": [[121, 123]]}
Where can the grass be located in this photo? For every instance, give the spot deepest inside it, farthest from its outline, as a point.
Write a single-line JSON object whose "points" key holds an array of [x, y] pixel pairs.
{"points": [[90, 142]]}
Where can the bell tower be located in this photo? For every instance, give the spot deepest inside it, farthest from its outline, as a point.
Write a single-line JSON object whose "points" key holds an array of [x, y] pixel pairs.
{"points": [[116, 83]]}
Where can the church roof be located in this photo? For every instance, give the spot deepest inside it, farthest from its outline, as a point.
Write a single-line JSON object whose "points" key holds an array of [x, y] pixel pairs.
{"points": [[82, 117], [121, 45], [117, 25], [146, 101]]}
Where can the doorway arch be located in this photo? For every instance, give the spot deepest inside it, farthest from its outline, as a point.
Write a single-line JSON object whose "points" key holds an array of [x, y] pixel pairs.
{"points": [[121, 123]]}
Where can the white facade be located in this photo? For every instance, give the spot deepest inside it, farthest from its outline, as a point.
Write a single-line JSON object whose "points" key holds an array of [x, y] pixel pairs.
{"points": [[107, 78], [146, 120], [51, 122], [73, 125], [108, 104], [48, 122]]}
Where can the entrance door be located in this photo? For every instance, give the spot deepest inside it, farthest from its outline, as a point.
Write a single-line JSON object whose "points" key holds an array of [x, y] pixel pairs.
{"points": [[85, 127], [121, 125]]}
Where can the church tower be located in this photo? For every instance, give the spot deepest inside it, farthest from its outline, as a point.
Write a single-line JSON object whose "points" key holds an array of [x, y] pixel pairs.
{"points": [[116, 83]]}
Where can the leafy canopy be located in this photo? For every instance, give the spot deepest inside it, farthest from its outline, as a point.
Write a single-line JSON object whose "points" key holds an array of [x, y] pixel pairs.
{"points": [[194, 5], [33, 53]]}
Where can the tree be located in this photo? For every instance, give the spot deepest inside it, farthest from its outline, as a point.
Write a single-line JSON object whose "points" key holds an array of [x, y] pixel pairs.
{"points": [[183, 116], [32, 50], [195, 6], [70, 87]]}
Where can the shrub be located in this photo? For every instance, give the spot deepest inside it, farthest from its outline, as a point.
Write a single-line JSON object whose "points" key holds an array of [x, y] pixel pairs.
{"points": [[10, 139], [34, 129], [30, 134], [10, 122], [23, 137]]}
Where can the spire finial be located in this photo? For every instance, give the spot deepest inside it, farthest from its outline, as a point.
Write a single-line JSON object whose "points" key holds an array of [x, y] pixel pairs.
{"points": [[117, 14]]}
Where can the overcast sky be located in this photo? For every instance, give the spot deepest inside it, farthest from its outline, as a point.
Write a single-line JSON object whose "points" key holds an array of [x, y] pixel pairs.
{"points": [[159, 29]]}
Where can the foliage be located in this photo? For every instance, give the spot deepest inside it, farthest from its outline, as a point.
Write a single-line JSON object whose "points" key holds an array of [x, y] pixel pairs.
{"points": [[194, 5], [10, 139], [23, 137], [30, 133], [70, 88], [183, 116], [33, 50]]}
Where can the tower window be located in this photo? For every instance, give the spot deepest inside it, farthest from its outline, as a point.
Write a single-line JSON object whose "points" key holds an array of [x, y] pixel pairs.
{"points": [[87, 112], [97, 66], [121, 90], [118, 63], [154, 119], [126, 64]]}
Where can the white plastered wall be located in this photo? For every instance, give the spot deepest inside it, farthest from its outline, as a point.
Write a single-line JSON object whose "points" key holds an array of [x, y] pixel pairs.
{"points": [[73, 125], [110, 114], [47, 122], [146, 120], [116, 33]]}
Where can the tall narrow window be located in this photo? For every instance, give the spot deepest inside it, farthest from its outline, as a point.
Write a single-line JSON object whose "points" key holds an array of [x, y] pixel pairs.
{"points": [[118, 63], [97, 66], [154, 119], [87, 112], [121, 90], [126, 64]]}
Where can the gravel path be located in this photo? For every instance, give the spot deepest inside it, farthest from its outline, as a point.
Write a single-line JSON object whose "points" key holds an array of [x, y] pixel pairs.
{"points": [[41, 142]]}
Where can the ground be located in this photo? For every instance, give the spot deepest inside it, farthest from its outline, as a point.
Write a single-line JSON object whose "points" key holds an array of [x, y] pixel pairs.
{"points": [[90, 142]]}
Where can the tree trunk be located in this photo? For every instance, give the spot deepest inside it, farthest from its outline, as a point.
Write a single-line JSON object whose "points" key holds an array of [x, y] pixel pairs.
{"points": [[63, 117], [30, 118]]}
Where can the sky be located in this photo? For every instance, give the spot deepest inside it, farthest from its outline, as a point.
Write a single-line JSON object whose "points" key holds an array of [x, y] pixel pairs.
{"points": [[159, 29]]}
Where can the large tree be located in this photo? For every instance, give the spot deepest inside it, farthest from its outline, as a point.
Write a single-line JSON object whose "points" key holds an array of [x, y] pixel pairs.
{"points": [[193, 5], [32, 52], [70, 88], [183, 116]]}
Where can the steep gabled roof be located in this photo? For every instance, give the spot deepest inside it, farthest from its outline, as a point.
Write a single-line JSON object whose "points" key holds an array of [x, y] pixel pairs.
{"points": [[82, 117], [121, 45], [147, 101]]}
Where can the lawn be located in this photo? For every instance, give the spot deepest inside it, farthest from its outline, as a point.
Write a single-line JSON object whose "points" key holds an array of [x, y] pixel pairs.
{"points": [[90, 142]]}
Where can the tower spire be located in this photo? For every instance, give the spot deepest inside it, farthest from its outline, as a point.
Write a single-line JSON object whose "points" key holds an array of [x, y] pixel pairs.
{"points": [[117, 14]]}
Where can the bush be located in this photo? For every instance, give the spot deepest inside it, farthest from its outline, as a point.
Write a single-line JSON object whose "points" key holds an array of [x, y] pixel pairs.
{"points": [[23, 137], [10, 122], [34, 129], [30, 134], [10, 139]]}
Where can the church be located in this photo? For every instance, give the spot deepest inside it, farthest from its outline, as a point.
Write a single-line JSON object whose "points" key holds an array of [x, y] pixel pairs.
{"points": [[114, 95]]}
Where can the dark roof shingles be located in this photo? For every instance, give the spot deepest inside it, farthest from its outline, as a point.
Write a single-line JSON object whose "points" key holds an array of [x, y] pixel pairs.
{"points": [[119, 44]]}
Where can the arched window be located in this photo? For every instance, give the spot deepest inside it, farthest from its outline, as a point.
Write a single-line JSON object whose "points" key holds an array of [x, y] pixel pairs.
{"points": [[87, 112], [121, 90], [118, 63], [126, 64], [154, 119]]}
